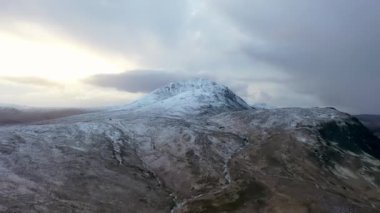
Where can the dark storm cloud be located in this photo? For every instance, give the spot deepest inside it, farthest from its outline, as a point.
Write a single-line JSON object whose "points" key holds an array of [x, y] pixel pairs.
{"points": [[330, 48]]}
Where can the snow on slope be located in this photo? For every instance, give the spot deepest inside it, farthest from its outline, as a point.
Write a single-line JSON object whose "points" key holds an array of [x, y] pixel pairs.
{"points": [[188, 97], [138, 158], [284, 118]]}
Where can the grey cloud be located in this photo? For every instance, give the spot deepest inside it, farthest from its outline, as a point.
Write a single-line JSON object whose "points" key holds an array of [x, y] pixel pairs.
{"points": [[136, 80], [115, 25], [33, 81], [327, 50], [170, 35], [330, 48], [145, 81]]}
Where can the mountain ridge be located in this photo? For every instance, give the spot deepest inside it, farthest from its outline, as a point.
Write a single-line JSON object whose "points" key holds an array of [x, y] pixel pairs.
{"points": [[227, 158]]}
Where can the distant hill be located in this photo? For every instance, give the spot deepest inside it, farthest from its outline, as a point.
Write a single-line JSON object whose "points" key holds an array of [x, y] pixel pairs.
{"points": [[372, 122], [24, 115]]}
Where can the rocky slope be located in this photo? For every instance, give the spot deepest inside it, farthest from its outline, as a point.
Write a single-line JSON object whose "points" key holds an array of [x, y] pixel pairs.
{"points": [[191, 147]]}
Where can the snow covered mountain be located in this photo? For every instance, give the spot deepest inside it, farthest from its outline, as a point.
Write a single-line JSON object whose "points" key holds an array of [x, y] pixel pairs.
{"points": [[191, 146], [189, 97]]}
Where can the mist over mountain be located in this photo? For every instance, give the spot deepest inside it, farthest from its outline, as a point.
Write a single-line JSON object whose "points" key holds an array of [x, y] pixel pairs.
{"points": [[191, 146], [372, 122]]}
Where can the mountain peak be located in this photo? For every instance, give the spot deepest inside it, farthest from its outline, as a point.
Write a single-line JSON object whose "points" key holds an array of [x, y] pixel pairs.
{"points": [[175, 88], [189, 97]]}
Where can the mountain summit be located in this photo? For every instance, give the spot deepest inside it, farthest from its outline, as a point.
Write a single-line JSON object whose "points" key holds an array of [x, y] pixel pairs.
{"points": [[192, 146], [190, 97]]}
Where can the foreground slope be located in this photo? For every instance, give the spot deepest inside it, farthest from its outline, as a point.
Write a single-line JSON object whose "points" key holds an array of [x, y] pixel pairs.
{"points": [[192, 146]]}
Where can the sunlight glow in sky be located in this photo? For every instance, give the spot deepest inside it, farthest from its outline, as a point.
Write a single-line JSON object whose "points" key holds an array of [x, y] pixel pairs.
{"points": [[31, 50]]}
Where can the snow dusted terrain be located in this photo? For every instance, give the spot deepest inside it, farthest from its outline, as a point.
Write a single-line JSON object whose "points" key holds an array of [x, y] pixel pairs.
{"points": [[188, 97], [191, 146]]}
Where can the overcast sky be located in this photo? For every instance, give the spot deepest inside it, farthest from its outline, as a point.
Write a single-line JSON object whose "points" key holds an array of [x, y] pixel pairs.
{"points": [[109, 52]]}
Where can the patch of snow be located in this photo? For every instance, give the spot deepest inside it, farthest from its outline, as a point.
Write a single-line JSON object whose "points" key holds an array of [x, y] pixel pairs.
{"points": [[370, 180], [302, 138], [284, 118], [263, 106], [344, 172]]}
